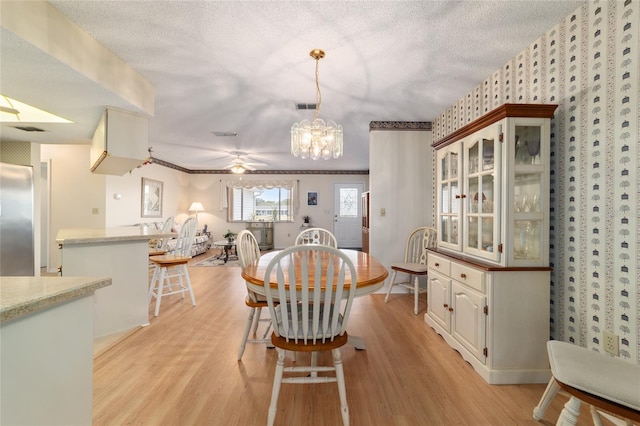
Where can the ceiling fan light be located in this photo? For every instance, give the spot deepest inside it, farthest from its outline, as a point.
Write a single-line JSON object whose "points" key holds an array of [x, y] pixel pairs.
{"points": [[317, 139], [237, 169]]}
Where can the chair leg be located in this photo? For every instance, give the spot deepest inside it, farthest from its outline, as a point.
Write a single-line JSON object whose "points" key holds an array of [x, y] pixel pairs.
{"points": [[570, 412], [595, 416], [416, 293], [314, 363], [246, 333], [548, 395], [154, 281], [342, 391], [160, 289], [186, 277], [256, 322], [181, 281], [391, 282], [277, 381]]}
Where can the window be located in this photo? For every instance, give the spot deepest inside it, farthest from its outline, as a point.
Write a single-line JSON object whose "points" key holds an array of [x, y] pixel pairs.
{"points": [[273, 204]]}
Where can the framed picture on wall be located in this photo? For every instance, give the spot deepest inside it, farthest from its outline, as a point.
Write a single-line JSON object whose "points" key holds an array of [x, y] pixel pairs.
{"points": [[312, 198], [151, 202]]}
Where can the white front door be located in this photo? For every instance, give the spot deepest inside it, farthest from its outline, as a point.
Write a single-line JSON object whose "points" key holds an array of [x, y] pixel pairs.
{"points": [[347, 214]]}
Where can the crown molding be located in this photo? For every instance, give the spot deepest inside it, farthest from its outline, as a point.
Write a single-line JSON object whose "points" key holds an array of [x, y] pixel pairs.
{"points": [[401, 125], [169, 165]]}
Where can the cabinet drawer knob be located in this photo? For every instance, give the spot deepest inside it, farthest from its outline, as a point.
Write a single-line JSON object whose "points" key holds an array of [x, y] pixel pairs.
{"points": [[437, 265], [450, 309], [463, 276], [445, 306]]}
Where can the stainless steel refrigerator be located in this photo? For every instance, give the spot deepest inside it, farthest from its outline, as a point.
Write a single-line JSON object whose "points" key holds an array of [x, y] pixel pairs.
{"points": [[16, 220]]}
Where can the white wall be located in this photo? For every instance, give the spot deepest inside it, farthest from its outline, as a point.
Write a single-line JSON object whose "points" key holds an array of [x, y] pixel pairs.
{"points": [[77, 195], [126, 211], [401, 183]]}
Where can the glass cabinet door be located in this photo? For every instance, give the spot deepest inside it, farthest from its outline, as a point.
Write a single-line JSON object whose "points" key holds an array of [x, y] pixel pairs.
{"points": [[449, 232], [528, 218], [481, 195]]}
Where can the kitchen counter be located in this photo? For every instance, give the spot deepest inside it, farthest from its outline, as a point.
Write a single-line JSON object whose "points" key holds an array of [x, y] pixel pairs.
{"points": [[46, 329], [109, 235], [121, 254], [21, 296]]}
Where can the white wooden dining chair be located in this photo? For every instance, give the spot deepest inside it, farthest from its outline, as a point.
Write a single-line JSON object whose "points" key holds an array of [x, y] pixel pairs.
{"points": [[174, 265], [161, 245], [312, 319], [316, 236], [414, 265], [248, 252]]}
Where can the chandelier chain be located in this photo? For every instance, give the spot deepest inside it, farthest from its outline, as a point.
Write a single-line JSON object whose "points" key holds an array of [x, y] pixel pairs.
{"points": [[318, 95]]}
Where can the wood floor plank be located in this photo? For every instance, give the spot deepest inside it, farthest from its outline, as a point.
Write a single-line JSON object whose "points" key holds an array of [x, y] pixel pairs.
{"points": [[182, 370]]}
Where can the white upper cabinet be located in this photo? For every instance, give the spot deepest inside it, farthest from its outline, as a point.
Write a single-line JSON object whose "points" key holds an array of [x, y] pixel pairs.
{"points": [[493, 187]]}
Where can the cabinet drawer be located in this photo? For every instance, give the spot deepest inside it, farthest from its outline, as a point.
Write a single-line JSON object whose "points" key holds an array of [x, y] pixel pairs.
{"points": [[439, 264], [468, 276]]}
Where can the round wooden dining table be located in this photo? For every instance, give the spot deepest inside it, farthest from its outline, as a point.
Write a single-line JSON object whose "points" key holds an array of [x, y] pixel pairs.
{"points": [[370, 276]]}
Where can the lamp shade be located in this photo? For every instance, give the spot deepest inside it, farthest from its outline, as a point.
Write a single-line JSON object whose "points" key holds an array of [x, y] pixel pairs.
{"points": [[196, 206]]}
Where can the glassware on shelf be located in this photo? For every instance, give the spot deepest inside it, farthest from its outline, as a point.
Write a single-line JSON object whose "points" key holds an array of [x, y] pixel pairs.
{"points": [[521, 240], [526, 240], [531, 203], [533, 148], [473, 158], [487, 154], [454, 230], [522, 156], [487, 234], [454, 165], [527, 144], [519, 203], [526, 203]]}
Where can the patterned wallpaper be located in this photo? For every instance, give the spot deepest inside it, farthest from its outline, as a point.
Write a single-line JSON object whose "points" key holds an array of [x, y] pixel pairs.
{"points": [[589, 65], [15, 153]]}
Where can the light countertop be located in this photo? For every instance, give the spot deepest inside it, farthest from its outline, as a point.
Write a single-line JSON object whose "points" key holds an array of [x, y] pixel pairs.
{"points": [[20, 296], [109, 235]]}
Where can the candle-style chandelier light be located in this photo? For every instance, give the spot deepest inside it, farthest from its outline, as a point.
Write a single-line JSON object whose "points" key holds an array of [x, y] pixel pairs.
{"points": [[317, 139]]}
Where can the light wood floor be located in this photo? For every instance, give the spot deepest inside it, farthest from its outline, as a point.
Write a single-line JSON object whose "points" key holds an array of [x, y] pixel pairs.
{"points": [[182, 370]]}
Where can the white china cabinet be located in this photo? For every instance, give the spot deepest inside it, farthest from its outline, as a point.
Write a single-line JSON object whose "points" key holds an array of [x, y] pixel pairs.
{"points": [[489, 276]]}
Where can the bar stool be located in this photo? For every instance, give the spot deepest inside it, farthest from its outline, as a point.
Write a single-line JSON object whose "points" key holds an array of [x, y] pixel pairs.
{"points": [[174, 265]]}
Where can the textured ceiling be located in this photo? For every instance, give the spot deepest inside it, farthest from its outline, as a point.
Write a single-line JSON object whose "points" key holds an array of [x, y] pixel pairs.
{"points": [[242, 66]]}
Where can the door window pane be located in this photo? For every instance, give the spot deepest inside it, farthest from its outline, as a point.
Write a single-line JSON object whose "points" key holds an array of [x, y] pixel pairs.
{"points": [[348, 204]]}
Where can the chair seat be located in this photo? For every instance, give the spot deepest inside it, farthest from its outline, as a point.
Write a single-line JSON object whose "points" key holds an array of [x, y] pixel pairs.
{"points": [[255, 303], [410, 268], [157, 252], [291, 345], [170, 259], [610, 378]]}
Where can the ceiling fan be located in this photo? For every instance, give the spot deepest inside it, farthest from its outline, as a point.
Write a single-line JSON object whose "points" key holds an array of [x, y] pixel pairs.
{"points": [[238, 165]]}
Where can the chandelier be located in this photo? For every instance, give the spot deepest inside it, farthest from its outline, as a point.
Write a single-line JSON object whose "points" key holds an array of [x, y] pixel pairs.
{"points": [[317, 139]]}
